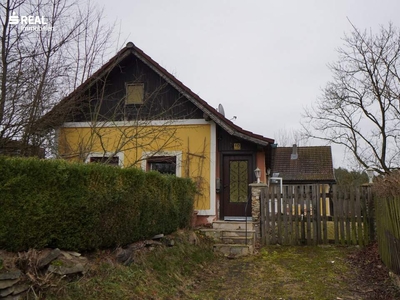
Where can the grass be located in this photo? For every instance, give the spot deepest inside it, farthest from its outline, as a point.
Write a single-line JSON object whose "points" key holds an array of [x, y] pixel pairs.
{"points": [[162, 273], [188, 271], [302, 279], [282, 273]]}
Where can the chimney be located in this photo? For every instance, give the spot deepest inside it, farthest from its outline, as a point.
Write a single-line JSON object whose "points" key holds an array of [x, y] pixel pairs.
{"points": [[294, 154]]}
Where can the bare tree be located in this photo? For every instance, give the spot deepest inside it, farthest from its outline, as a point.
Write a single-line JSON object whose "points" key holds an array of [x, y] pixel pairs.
{"points": [[286, 138], [359, 108], [42, 62]]}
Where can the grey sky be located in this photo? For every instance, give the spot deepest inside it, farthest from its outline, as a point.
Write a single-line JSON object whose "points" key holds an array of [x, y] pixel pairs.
{"points": [[263, 60]]}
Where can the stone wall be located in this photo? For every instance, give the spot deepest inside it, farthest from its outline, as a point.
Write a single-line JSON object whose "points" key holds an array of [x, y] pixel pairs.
{"points": [[35, 271], [19, 272], [12, 285], [256, 207]]}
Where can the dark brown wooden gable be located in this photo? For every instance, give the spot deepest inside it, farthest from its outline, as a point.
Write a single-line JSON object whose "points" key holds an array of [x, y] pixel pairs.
{"points": [[106, 99], [226, 142]]}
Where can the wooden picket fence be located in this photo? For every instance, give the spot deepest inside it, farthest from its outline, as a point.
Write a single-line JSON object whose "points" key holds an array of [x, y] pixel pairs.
{"points": [[387, 214], [311, 215]]}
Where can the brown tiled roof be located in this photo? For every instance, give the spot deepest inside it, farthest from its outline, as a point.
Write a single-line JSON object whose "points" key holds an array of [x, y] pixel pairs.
{"points": [[49, 121], [18, 148], [313, 164]]}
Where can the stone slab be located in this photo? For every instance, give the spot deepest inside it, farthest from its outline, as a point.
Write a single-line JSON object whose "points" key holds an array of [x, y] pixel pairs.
{"points": [[20, 288], [234, 249], [54, 254], [233, 225], [60, 270], [6, 292], [7, 283], [10, 275]]}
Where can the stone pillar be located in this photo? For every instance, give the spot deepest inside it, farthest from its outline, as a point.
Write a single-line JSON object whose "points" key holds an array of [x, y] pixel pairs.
{"points": [[256, 206]]}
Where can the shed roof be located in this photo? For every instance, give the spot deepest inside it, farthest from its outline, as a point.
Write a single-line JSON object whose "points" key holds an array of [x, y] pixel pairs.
{"points": [[313, 164], [52, 119]]}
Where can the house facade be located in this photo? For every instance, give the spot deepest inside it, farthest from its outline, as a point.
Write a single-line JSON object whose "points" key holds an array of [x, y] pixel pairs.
{"points": [[134, 113]]}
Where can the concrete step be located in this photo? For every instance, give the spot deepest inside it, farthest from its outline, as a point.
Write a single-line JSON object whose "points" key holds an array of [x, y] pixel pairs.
{"points": [[239, 232], [218, 234], [233, 225], [234, 250], [232, 238], [212, 233], [249, 240]]}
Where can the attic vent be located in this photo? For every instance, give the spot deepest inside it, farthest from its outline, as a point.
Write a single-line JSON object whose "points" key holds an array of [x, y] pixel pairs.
{"points": [[294, 154], [134, 93]]}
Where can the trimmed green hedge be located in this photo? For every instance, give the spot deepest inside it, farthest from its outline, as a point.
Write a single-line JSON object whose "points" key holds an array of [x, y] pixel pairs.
{"points": [[54, 203]]}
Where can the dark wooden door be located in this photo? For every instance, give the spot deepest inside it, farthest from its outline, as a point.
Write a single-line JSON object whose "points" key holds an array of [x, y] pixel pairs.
{"points": [[237, 174]]}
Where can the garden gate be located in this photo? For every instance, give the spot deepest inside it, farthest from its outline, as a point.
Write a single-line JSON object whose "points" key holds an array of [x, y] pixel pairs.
{"points": [[310, 215]]}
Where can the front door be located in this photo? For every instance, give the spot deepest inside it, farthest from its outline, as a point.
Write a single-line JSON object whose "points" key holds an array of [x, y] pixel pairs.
{"points": [[237, 174]]}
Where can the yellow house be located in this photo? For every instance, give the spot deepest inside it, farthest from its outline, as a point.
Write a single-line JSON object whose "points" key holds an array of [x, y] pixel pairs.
{"points": [[134, 113]]}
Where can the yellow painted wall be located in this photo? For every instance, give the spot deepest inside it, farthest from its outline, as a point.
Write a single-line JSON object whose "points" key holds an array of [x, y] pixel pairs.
{"points": [[75, 143]]}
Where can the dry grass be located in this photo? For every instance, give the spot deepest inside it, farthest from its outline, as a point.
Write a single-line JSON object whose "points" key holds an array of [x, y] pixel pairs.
{"points": [[188, 271], [163, 273], [280, 273]]}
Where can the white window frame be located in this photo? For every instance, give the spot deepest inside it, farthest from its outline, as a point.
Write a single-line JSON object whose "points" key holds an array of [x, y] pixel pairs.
{"points": [[106, 154], [152, 154]]}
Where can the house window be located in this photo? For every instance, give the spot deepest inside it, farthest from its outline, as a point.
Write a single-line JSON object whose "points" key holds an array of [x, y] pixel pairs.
{"points": [[162, 164], [165, 162], [112, 159], [134, 93], [238, 180]]}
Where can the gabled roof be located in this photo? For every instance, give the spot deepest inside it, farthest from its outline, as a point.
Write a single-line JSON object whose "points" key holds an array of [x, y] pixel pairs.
{"points": [[313, 164], [50, 119], [12, 147]]}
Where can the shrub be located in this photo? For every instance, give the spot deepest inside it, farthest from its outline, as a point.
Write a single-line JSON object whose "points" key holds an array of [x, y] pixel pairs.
{"points": [[388, 185], [53, 203], [387, 211]]}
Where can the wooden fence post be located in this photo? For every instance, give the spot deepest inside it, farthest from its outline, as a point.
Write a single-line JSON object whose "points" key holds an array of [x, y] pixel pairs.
{"points": [[371, 213]]}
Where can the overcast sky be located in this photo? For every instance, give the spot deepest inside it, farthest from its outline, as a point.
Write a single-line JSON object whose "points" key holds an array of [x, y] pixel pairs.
{"points": [[264, 61]]}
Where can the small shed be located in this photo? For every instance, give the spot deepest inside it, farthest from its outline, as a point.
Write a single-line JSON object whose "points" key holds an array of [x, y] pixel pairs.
{"points": [[303, 165]]}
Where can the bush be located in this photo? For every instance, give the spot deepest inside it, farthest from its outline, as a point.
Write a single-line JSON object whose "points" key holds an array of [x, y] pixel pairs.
{"points": [[387, 185], [51, 203], [386, 191]]}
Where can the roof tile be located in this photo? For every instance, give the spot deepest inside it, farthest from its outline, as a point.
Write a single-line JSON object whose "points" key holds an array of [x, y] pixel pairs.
{"points": [[314, 164]]}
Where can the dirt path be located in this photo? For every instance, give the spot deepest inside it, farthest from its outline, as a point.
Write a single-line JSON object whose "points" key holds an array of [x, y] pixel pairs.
{"points": [[296, 273]]}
